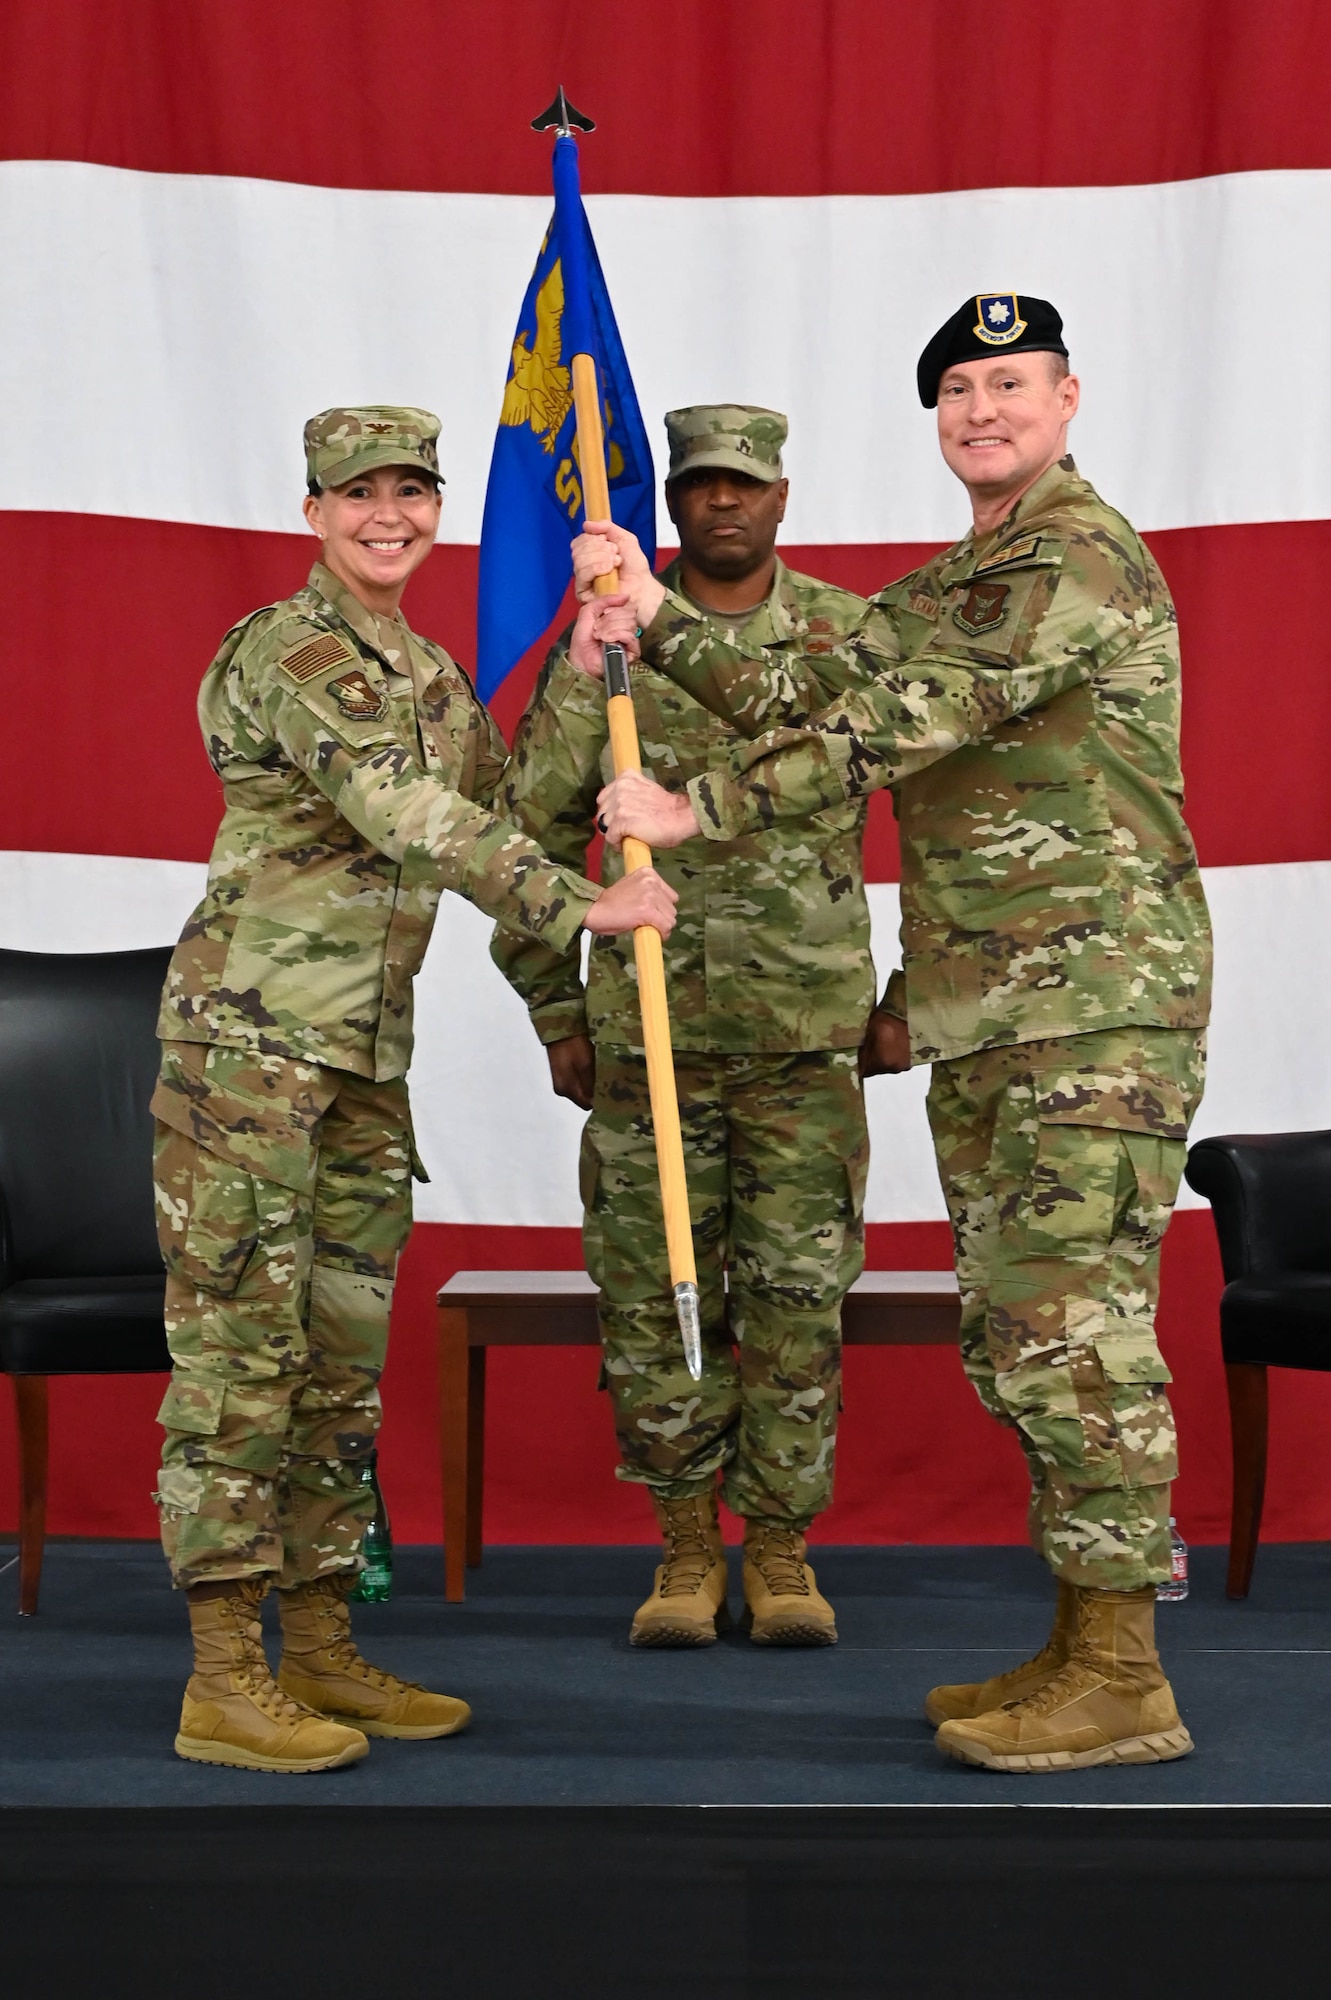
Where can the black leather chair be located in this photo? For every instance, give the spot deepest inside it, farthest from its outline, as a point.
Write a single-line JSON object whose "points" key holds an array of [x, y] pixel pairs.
{"points": [[1271, 1198], [81, 1279]]}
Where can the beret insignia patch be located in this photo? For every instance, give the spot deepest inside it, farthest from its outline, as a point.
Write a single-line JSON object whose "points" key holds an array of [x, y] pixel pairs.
{"points": [[997, 319], [984, 608], [356, 698], [316, 654]]}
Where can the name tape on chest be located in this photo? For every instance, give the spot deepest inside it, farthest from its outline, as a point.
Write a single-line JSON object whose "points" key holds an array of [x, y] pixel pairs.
{"points": [[314, 656], [922, 605]]}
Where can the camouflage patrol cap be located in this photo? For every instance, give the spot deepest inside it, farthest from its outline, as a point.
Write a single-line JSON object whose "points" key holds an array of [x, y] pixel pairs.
{"points": [[345, 444], [731, 436], [990, 323]]}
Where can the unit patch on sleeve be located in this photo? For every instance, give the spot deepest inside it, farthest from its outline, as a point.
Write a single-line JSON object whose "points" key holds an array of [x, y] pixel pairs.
{"points": [[983, 608], [356, 698], [314, 655]]}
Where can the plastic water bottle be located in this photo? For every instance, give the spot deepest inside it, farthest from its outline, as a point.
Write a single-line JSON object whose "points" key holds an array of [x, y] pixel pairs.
{"points": [[375, 1582], [1176, 1589]]}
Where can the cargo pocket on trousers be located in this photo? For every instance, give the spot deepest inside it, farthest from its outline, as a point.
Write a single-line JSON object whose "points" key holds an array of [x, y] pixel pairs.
{"points": [[193, 1404], [1136, 1376], [230, 1214], [1095, 1131]]}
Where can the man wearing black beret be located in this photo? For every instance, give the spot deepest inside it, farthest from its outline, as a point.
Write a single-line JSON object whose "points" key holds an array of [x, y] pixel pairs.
{"points": [[1020, 694]]}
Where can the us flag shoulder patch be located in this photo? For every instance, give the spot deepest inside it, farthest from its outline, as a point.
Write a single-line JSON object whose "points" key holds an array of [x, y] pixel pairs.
{"points": [[314, 655]]}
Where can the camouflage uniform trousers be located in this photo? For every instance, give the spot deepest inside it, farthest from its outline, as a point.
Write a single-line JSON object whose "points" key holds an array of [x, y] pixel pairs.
{"points": [[279, 1286], [1061, 1161], [776, 1153]]}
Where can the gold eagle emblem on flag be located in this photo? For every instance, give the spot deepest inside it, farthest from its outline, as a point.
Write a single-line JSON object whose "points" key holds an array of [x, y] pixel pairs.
{"points": [[539, 391]]}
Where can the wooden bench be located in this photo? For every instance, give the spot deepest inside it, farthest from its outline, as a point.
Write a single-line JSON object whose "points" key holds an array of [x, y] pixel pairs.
{"points": [[483, 1309]]}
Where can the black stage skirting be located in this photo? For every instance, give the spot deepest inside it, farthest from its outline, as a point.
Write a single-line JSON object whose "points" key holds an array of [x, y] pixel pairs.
{"points": [[728, 1822]]}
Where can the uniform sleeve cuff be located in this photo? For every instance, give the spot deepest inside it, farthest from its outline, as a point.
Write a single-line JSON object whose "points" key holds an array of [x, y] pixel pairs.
{"points": [[723, 809], [894, 996], [665, 625], [558, 1019], [568, 687]]}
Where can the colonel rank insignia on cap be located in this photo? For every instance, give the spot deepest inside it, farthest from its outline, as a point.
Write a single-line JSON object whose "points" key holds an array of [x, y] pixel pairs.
{"points": [[998, 319]]}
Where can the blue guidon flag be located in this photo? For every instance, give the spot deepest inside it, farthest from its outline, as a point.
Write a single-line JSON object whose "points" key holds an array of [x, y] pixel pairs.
{"points": [[997, 319], [533, 503]]}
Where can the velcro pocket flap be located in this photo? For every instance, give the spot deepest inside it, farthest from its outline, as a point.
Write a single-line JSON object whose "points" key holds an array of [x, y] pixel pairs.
{"points": [[193, 1403], [1129, 1353], [1114, 1102]]}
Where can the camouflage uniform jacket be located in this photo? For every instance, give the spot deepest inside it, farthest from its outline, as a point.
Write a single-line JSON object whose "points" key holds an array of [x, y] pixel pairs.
{"points": [[771, 948], [355, 762], [1021, 692]]}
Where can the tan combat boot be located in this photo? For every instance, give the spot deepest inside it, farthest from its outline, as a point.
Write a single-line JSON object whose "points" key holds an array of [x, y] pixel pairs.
{"points": [[782, 1603], [234, 1712], [953, 1702], [1109, 1703], [688, 1601], [322, 1668]]}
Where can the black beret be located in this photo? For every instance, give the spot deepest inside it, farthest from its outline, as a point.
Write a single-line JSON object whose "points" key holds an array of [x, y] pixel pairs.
{"points": [[990, 323]]}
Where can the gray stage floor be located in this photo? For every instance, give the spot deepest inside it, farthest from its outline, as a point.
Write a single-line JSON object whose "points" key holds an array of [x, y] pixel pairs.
{"points": [[567, 1714]]}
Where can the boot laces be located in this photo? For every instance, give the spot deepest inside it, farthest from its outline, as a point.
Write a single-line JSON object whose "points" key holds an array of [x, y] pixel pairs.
{"points": [[1073, 1677], [256, 1676], [776, 1555], [688, 1556], [341, 1650]]}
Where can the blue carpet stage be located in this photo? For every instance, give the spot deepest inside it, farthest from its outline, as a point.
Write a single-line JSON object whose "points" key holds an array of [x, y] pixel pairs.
{"points": [[608, 1803], [568, 1714]]}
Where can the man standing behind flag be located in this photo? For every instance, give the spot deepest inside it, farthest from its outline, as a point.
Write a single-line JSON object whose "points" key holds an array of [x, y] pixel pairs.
{"points": [[771, 985]]}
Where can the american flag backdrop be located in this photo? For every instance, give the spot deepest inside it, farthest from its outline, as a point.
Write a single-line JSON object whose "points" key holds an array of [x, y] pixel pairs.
{"points": [[217, 217]]}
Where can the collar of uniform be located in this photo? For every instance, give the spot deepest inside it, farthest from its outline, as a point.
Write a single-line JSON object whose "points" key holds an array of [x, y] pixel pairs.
{"points": [[1035, 500], [372, 630], [776, 618]]}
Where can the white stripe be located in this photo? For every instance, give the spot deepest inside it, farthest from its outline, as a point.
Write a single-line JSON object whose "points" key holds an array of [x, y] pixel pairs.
{"points": [[163, 337], [501, 1149]]}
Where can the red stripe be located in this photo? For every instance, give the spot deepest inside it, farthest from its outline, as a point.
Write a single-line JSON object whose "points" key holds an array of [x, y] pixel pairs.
{"points": [[777, 97], [115, 620], [918, 1460]]}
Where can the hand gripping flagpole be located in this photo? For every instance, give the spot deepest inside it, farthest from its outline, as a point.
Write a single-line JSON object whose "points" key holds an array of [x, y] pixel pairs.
{"points": [[647, 949]]}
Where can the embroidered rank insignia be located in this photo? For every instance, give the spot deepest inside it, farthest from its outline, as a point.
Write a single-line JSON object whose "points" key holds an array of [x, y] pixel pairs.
{"points": [[997, 321], [922, 606], [356, 698], [983, 609], [316, 654], [1015, 552]]}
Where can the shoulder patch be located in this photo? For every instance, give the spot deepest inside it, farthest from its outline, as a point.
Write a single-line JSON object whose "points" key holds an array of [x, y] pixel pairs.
{"points": [[314, 656], [356, 698], [984, 608]]}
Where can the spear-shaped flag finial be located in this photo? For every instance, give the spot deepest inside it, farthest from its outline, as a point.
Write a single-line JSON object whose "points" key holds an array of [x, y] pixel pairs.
{"points": [[563, 117]]}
